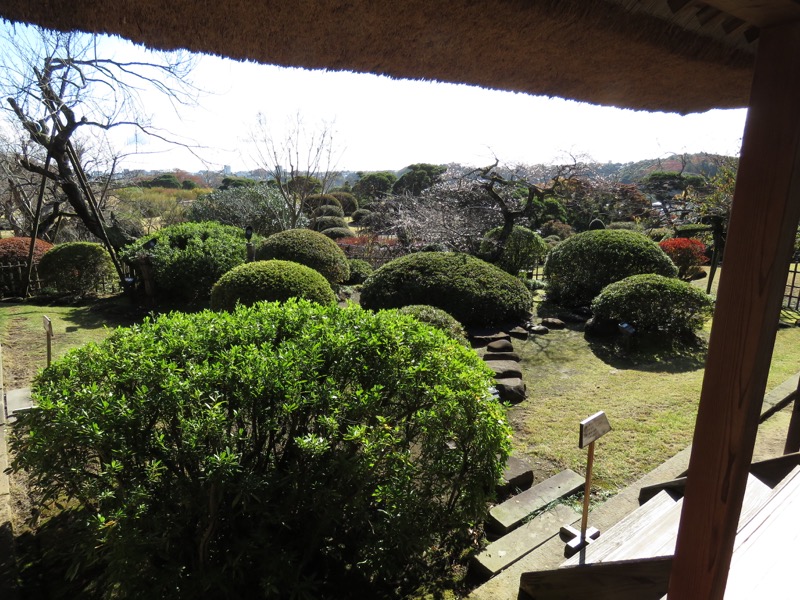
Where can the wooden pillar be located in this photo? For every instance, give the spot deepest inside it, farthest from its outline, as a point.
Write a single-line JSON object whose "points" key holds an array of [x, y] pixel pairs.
{"points": [[764, 218], [793, 434]]}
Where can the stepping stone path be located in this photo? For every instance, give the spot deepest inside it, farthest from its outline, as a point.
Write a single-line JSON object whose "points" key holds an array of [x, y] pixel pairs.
{"points": [[502, 359], [522, 535]]}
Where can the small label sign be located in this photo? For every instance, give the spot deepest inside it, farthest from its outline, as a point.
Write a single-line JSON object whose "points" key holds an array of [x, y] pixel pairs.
{"points": [[593, 428], [48, 325]]}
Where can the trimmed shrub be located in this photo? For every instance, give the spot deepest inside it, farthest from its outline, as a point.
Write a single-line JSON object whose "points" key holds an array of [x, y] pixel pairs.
{"points": [[629, 225], [348, 201], [337, 233], [687, 254], [359, 214], [76, 267], [323, 223], [582, 265], [654, 304], [557, 228], [187, 259], [328, 210], [309, 248], [471, 290], [271, 280], [438, 318], [14, 251], [359, 271], [314, 201], [280, 450], [524, 249], [659, 234]]}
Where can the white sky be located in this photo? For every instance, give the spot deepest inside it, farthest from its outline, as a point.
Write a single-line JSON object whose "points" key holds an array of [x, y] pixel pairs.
{"points": [[380, 123]]}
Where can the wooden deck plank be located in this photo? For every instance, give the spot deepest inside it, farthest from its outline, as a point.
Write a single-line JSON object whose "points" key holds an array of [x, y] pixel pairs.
{"points": [[764, 560]]}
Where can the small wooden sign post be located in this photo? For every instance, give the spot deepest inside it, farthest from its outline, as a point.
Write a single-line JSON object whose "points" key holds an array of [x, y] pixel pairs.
{"points": [[48, 329], [592, 429]]}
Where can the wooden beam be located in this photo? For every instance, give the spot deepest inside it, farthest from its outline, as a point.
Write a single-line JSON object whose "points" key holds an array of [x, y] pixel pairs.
{"points": [[642, 579], [764, 218], [760, 13], [774, 470]]}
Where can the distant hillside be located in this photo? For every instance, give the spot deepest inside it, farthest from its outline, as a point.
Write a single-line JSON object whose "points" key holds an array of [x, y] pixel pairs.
{"points": [[700, 164]]}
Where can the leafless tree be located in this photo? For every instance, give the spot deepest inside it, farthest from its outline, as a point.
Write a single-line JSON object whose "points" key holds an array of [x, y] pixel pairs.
{"points": [[300, 163], [59, 88]]}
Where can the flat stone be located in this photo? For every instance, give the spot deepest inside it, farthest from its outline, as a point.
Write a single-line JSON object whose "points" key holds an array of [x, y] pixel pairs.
{"points": [[500, 346], [519, 333], [501, 356], [553, 323], [517, 475], [19, 399], [511, 389], [539, 330], [482, 340], [504, 369], [510, 514], [510, 548]]}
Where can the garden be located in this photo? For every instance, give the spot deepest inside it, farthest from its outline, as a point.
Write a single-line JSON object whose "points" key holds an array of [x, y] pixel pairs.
{"points": [[275, 418]]}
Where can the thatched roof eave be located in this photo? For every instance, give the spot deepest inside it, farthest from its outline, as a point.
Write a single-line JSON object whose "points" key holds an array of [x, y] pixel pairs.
{"points": [[676, 55]]}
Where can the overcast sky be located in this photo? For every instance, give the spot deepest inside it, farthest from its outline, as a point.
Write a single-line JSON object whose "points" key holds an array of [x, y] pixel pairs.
{"points": [[380, 123]]}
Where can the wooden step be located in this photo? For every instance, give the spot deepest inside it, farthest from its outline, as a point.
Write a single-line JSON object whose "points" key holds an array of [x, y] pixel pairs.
{"points": [[651, 529], [507, 550], [510, 514]]}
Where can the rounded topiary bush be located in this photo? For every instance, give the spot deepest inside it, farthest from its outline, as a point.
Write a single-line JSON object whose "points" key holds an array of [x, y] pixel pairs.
{"points": [[348, 201], [187, 259], [338, 233], [13, 252], [523, 249], [309, 248], [76, 267], [265, 452], [314, 201], [583, 264], [438, 318], [359, 271], [328, 210], [271, 280], [471, 290], [323, 223], [654, 304], [358, 215]]}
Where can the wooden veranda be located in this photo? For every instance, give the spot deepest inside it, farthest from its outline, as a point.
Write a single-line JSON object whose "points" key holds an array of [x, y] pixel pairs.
{"points": [[670, 55]]}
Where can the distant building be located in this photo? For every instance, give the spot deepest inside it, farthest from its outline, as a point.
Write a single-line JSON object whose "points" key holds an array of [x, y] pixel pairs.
{"points": [[226, 169]]}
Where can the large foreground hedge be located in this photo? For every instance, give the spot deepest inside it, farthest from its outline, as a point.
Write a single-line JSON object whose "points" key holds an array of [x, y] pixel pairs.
{"points": [[281, 450], [583, 264], [471, 290]]}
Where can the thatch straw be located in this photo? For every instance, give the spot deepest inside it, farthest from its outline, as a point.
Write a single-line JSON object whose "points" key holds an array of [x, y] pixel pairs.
{"points": [[626, 53]]}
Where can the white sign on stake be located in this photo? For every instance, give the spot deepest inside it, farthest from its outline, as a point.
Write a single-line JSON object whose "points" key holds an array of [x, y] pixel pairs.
{"points": [[593, 428], [48, 325]]}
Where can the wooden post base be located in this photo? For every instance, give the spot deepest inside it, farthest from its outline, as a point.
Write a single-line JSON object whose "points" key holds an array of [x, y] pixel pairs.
{"points": [[575, 541]]}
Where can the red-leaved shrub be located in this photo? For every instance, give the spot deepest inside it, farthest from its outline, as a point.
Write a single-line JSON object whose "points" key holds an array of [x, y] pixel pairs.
{"points": [[687, 254], [15, 250]]}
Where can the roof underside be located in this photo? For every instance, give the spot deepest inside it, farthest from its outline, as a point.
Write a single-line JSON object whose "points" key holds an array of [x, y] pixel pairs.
{"points": [[672, 55]]}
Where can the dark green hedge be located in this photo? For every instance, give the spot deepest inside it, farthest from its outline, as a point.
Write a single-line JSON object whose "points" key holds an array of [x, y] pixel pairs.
{"points": [[76, 267], [309, 248], [654, 304], [471, 290], [438, 318], [271, 280], [583, 264], [359, 271], [187, 259], [523, 249]]}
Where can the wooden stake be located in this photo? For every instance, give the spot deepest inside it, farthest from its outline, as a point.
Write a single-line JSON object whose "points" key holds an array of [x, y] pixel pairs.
{"points": [[586, 492]]}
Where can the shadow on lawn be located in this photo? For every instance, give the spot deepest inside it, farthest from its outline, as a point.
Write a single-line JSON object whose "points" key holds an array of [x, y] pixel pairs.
{"points": [[650, 353]]}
